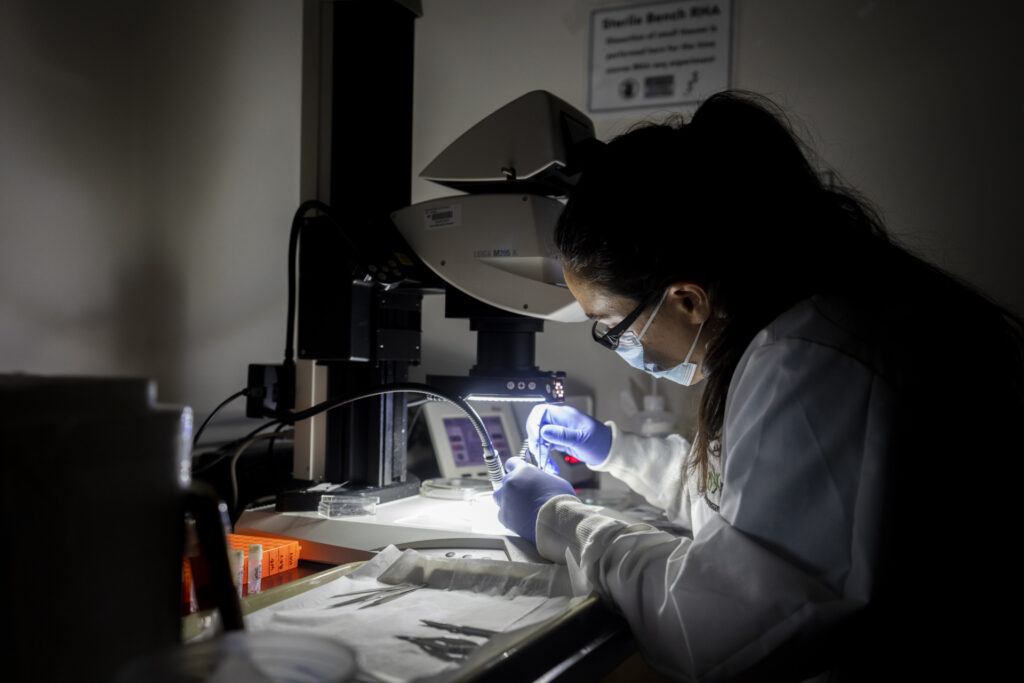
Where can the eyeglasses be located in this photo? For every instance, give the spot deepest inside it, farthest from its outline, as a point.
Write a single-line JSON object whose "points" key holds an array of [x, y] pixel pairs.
{"points": [[609, 337]]}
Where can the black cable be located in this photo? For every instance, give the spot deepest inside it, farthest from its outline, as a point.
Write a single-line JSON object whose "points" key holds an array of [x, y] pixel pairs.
{"points": [[270, 447], [229, 399], [233, 467], [225, 450], [293, 250]]}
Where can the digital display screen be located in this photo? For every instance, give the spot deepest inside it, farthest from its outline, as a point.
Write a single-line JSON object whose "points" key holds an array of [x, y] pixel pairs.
{"points": [[466, 447]]}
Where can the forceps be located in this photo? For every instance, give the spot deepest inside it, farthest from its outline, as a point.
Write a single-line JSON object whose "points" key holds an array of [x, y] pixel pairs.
{"points": [[442, 647], [374, 596], [463, 630]]}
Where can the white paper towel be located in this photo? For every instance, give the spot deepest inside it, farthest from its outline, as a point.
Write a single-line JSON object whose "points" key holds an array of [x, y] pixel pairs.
{"points": [[488, 594]]}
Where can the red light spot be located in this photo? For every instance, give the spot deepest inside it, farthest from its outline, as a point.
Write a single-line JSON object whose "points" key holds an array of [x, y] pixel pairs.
{"points": [[572, 461]]}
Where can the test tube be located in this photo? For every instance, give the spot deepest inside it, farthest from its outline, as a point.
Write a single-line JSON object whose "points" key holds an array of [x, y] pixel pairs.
{"points": [[236, 560], [255, 568], [193, 601]]}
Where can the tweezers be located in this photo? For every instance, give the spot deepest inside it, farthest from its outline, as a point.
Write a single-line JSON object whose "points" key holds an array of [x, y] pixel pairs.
{"points": [[393, 595], [372, 594], [464, 630], [443, 648]]}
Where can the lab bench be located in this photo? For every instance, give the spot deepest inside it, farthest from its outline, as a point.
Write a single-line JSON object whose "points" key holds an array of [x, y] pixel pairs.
{"points": [[585, 643]]}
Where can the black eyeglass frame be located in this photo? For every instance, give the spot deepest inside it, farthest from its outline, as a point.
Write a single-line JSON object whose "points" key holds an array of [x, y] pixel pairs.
{"points": [[610, 339]]}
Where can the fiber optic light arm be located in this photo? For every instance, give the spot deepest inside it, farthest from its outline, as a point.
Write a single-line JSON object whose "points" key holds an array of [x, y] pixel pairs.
{"points": [[495, 471]]}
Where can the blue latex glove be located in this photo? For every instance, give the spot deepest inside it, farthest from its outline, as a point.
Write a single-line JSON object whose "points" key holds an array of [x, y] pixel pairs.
{"points": [[568, 430], [522, 494]]}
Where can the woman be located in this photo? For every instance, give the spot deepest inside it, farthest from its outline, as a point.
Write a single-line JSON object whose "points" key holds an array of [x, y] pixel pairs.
{"points": [[860, 408]]}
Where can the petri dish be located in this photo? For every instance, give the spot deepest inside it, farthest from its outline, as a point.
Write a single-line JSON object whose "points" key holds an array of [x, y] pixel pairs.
{"points": [[454, 488], [332, 506]]}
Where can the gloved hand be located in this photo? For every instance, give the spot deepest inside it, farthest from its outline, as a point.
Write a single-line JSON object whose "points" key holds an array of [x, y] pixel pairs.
{"points": [[522, 494], [568, 430]]}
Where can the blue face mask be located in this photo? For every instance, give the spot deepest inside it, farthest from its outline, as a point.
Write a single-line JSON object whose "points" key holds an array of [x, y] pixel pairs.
{"points": [[631, 350]]}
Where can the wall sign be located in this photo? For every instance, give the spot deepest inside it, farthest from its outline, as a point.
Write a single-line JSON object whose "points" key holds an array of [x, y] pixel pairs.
{"points": [[659, 54]]}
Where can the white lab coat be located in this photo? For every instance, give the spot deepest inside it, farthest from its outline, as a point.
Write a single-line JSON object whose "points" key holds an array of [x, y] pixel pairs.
{"points": [[791, 549]]}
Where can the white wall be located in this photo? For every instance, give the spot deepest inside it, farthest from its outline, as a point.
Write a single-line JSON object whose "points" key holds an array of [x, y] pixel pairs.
{"points": [[149, 166], [916, 103], [149, 160]]}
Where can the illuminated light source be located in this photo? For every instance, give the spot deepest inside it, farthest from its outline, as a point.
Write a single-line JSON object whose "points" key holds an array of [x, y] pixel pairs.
{"points": [[513, 399], [572, 461]]}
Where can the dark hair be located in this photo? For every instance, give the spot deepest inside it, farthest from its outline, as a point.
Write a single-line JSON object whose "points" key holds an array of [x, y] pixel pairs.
{"points": [[731, 201]]}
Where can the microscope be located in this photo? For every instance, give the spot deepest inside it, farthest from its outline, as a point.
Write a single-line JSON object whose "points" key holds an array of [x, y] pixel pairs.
{"points": [[361, 279]]}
